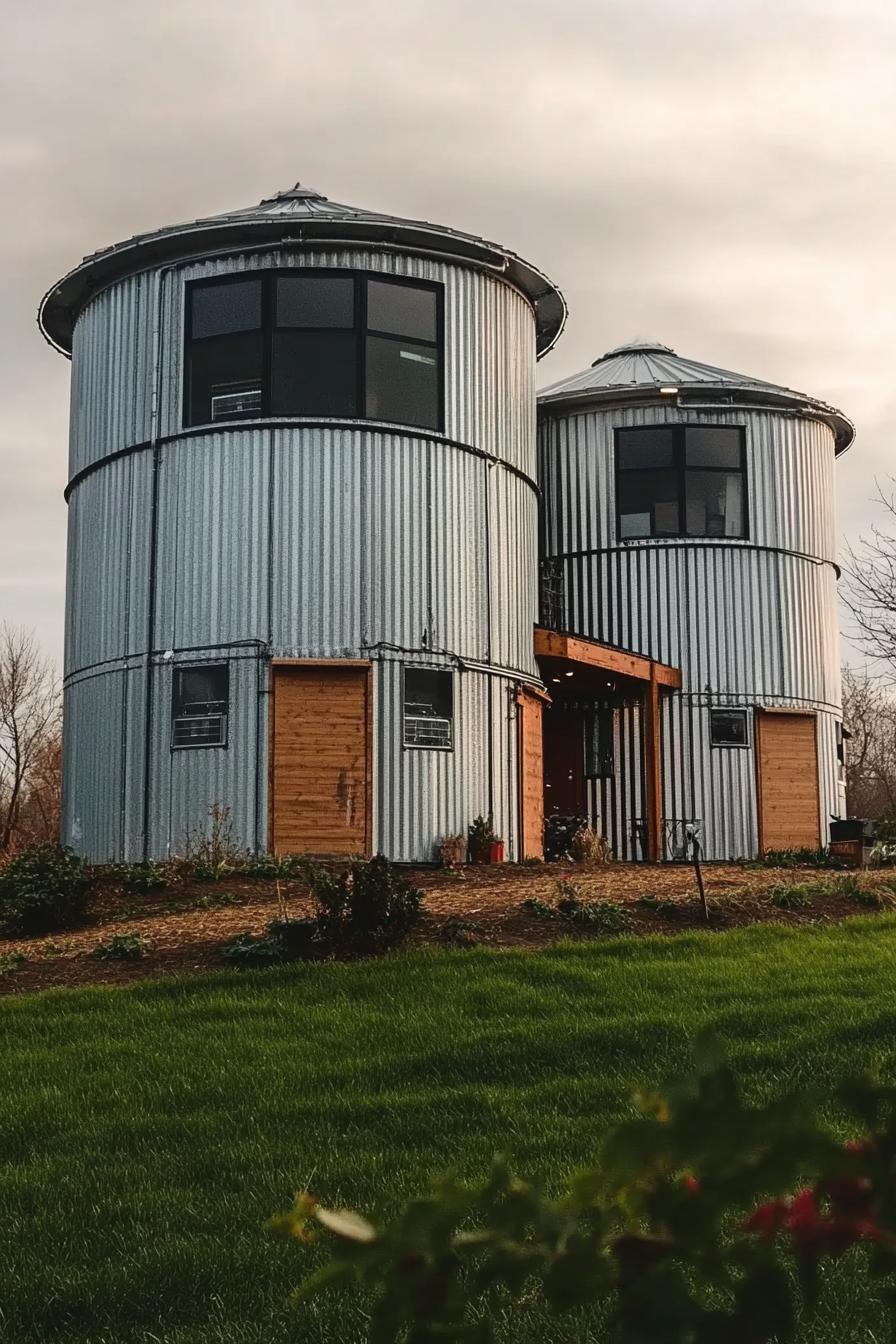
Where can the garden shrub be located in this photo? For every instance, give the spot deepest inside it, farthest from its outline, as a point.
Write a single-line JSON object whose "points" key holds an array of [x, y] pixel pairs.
{"points": [[41, 889], [364, 908], [297, 937], [143, 877], [569, 906], [706, 1220], [11, 961], [799, 858]]}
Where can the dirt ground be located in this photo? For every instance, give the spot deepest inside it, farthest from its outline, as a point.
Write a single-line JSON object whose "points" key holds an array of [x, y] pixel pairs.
{"points": [[187, 927]]}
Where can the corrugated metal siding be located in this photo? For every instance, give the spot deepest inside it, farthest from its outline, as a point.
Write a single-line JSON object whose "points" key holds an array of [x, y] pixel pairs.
{"points": [[422, 796], [489, 382], [108, 564], [187, 784]]}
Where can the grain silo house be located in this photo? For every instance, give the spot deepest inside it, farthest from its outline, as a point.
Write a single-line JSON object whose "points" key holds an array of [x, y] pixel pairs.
{"points": [[305, 581]]}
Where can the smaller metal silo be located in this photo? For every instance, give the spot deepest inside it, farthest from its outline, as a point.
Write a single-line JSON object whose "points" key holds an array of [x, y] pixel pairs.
{"points": [[688, 518]]}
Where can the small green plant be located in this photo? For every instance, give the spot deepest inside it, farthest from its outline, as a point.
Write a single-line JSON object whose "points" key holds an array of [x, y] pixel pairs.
{"points": [[247, 949], [11, 962], [569, 906], [589, 848], [534, 905], [661, 906], [143, 877], [43, 888], [790, 896], [214, 900], [122, 947]]}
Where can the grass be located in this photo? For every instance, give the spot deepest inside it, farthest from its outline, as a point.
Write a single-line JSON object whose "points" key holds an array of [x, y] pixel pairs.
{"points": [[146, 1133]]}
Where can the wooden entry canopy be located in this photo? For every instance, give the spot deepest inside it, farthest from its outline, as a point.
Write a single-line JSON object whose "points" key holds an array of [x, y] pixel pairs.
{"points": [[588, 655]]}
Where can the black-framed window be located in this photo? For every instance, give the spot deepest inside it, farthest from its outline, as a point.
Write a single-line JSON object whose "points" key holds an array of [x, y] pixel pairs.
{"points": [[428, 708], [681, 481], [599, 755], [340, 344], [729, 728], [199, 705]]}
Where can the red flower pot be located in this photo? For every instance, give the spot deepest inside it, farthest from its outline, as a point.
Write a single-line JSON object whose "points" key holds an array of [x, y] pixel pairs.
{"points": [[495, 852]]}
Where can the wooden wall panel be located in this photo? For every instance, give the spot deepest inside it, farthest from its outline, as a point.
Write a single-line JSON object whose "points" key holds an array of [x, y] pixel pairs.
{"points": [[787, 781], [531, 760], [320, 770]]}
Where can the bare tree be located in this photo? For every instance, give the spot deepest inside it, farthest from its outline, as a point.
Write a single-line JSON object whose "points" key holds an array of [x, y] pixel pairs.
{"points": [[869, 715], [869, 585], [29, 727]]}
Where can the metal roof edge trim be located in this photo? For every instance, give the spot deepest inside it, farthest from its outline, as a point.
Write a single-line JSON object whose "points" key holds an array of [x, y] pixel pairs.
{"points": [[62, 303], [755, 396]]}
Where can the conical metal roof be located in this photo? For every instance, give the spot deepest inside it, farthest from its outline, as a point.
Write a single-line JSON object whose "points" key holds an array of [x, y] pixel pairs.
{"points": [[301, 215], [648, 370]]}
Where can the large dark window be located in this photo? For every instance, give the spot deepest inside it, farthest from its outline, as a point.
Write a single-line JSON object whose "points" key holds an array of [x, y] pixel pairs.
{"points": [[428, 708], [318, 343], [199, 706], [681, 481]]}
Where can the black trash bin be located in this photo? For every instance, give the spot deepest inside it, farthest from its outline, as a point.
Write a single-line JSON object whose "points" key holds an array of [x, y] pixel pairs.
{"points": [[851, 839]]}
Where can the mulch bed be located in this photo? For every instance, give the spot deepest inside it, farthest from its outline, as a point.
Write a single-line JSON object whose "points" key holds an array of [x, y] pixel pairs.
{"points": [[187, 927]]}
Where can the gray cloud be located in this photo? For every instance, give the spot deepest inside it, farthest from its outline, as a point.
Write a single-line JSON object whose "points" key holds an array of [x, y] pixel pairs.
{"points": [[719, 176]]}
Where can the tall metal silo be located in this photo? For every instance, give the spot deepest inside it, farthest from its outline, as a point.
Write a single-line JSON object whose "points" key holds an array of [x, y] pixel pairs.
{"points": [[302, 559], [688, 516]]}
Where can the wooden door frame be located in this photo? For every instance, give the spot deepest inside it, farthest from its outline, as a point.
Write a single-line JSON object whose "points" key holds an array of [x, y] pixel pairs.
{"points": [[534, 693], [297, 664], [771, 712]]}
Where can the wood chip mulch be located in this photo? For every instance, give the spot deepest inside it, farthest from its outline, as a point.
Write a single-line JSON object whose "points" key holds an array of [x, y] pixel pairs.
{"points": [[186, 928]]}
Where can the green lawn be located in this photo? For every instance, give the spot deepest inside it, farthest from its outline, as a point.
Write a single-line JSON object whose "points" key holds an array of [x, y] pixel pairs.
{"points": [[148, 1132]]}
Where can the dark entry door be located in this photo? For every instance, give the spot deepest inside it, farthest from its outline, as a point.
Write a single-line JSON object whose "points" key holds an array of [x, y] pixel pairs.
{"points": [[564, 762]]}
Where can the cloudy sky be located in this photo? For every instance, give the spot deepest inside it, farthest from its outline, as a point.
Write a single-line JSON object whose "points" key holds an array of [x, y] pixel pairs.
{"points": [[719, 175]]}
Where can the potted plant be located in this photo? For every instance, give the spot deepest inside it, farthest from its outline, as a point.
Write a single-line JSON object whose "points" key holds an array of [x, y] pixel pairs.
{"points": [[452, 851], [485, 846]]}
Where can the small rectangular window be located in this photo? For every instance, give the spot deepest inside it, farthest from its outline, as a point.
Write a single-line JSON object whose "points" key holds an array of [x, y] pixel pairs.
{"points": [[599, 758], [428, 708], [728, 728], [200, 706]]}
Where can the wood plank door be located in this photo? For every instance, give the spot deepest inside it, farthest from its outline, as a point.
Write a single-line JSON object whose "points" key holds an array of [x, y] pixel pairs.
{"points": [[787, 780], [531, 767], [320, 759]]}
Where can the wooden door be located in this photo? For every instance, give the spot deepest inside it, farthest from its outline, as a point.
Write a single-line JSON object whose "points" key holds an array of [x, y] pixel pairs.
{"points": [[531, 783], [320, 759], [787, 779]]}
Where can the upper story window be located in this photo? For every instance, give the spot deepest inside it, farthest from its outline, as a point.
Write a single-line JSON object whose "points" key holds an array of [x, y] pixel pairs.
{"points": [[339, 344], [681, 481]]}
